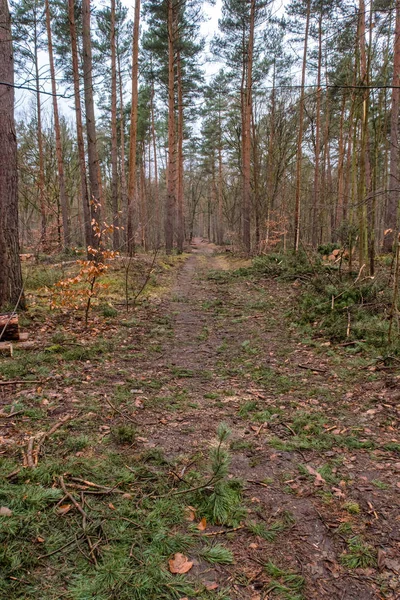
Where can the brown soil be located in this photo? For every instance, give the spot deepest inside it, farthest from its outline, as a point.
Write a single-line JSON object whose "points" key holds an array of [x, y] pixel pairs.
{"points": [[226, 344]]}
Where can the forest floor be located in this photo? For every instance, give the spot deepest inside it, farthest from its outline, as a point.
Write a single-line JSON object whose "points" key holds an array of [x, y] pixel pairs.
{"points": [[124, 484]]}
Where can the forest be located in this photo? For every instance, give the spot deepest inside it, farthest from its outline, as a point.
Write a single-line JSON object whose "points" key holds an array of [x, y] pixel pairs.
{"points": [[199, 299]]}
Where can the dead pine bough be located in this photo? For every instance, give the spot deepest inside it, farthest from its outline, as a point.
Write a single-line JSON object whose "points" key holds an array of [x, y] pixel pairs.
{"points": [[35, 442]]}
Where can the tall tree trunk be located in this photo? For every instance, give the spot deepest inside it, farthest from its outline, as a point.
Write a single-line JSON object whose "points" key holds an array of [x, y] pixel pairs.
{"points": [[11, 286], [270, 162], [41, 181], [93, 157], [114, 143], [220, 227], [364, 175], [79, 127], [59, 152], [171, 167], [246, 134], [393, 195], [124, 187], [316, 198], [156, 191], [180, 229], [339, 214], [132, 183], [299, 157]]}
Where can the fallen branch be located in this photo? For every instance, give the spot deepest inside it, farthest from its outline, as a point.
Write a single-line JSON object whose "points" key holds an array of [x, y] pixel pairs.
{"points": [[119, 411], [32, 455], [311, 368], [20, 382], [74, 541], [212, 533], [70, 496]]}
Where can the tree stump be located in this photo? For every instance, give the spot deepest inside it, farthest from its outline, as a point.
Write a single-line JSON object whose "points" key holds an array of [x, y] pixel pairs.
{"points": [[9, 323]]}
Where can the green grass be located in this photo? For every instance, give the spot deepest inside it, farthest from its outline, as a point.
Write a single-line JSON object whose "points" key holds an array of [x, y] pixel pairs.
{"points": [[283, 583], [134, 523], [358, 555]]}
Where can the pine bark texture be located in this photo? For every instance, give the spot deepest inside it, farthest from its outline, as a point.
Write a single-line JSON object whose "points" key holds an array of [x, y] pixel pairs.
{"points": [[171, 166], [57, 129], [114, 145], [299, 157], [11, 287], [93, 157], [132, 178], [394, 187], [79, 127]]}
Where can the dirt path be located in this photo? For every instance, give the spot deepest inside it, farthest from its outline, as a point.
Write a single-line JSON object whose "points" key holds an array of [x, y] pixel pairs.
{"points": [[308, 435], [314, 469]]}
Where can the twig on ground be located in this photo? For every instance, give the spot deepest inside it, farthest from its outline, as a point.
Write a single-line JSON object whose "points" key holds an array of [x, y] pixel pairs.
{"points": [[311, 368], [32, 456], [20, 382], [119, 411], [225, 531], [70, 496], [74, 541], [289, 428]]}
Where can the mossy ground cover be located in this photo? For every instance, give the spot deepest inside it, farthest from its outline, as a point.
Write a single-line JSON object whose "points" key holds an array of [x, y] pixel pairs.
{"points": [[299, 501]]}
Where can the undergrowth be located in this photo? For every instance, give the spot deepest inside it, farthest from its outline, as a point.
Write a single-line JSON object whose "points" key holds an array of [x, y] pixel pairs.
{"points": [[130, 522], [333, 303]]}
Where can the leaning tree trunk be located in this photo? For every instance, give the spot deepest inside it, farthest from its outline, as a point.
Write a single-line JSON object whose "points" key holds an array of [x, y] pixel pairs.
{"points": [[11, 287], [79, 127], [93, 157], [59, 153]]}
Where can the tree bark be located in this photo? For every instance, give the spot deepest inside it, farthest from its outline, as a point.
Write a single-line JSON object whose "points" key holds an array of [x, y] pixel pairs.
{"points": [[393, 195], [114, 146], [316, 194], [124, 187], [79, 127], [11, 286], [180, 229], [59, 152], [246, 134], [171, 166], [93, 158], [132, 183], [41, 182], [299, 157], [157, 192]]}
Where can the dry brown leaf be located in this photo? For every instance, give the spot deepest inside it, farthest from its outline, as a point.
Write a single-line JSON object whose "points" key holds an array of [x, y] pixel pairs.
{"points": [[319, 480], [212, 585], [179, 564], [63, 509], [5, 511], [202, 525], [190, 513]]}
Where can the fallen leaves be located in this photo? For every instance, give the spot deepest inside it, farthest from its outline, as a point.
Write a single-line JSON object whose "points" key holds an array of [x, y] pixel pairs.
{"points": [[5, 511], [179, 564], [202, 525], [64, 509], [319, 480]]}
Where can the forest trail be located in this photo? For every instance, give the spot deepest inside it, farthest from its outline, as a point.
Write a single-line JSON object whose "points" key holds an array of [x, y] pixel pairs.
{"points": [[302, 432], [314, 449]]}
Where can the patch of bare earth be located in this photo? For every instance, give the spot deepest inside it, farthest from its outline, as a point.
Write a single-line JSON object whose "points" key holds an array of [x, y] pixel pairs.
{"points": [[224, 336]]}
